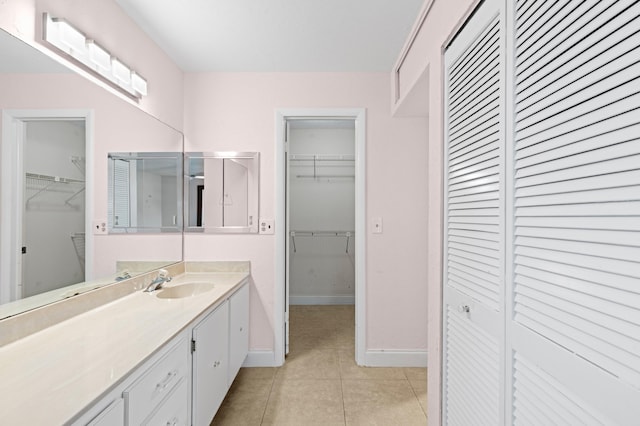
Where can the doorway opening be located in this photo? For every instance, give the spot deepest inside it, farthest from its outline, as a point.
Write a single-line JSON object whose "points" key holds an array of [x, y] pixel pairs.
{"points": [[320, 228], [45, 203]]}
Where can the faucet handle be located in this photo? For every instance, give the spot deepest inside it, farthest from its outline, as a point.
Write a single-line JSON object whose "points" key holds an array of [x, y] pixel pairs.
{"points": [[163, 273]]}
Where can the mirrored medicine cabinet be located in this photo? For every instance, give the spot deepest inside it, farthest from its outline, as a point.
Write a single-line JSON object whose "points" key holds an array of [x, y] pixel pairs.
{"points": [[221, 192], [145, 192]]}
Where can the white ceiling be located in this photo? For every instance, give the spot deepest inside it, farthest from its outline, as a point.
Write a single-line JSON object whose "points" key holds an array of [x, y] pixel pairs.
{"points": [[277, 35]]}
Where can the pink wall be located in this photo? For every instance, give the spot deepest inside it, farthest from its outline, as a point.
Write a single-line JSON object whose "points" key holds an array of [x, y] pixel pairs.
{"points": [[105, 21], [442, 21], [236, 111]]}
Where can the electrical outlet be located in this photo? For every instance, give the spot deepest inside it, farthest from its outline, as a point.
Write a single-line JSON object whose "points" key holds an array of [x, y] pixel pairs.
{"points": [[267, 226], [99, 227]]}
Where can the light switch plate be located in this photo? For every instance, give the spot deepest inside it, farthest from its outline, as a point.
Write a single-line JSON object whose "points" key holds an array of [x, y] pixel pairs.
{"points": [[267, 226], [377, 225], [99, 227]]}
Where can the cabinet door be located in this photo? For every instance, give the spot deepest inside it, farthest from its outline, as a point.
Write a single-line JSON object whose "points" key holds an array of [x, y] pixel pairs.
{"points": [[210, 364], [474, 215], [238, 330]]}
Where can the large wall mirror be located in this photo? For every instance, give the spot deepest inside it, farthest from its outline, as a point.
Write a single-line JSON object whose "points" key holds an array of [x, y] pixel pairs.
{"points": [[57, 131], [221, 192]]}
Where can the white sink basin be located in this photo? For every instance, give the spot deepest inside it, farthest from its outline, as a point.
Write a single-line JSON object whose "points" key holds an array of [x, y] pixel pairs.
{"points": [[184, 290]]}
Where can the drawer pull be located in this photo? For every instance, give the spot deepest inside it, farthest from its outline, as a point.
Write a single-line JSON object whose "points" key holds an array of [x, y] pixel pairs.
{"points": [[173, 422], [163, 384]]}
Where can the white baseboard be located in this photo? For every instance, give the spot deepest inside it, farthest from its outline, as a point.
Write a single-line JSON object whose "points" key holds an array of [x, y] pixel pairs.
{"points": [[372, 358], [260, 359], [322, 300], [395, 358]]}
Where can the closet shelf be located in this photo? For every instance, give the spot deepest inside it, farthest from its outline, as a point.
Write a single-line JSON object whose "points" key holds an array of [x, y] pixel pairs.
{"points": [[317, 161], [41, 183], [321, 157], [347, 234], [54, 179]]}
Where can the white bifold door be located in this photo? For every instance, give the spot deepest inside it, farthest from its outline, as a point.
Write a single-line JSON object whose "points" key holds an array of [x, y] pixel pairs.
{"points": [[473, 309], [542, 215]]}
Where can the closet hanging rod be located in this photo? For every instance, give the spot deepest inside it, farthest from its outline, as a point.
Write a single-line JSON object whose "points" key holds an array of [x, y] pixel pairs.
{"points": [[322, 233], [326, 176]]}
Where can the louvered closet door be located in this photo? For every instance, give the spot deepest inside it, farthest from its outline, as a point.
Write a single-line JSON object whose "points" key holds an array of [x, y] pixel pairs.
{"points": [[474, 221], [575, 327]]}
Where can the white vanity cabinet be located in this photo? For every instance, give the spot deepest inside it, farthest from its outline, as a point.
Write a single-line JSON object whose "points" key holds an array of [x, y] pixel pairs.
{"points": [[158, 389], [238, 330], [210, 364], [220, 345], [157, 392], [187, 379]]}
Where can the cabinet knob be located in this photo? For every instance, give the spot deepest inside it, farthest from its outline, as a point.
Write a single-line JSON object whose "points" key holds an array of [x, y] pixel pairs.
{"points": [[241, 329], [464, 309]]}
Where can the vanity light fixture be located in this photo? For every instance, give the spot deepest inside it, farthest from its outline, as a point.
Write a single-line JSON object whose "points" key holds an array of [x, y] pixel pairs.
{"points": [[99, 57], [121, 72], [74, 46], [73, 39], [138, 83]]}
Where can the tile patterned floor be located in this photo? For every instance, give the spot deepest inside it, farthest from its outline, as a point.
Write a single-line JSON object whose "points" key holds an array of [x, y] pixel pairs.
{"points": [[320, 383]]}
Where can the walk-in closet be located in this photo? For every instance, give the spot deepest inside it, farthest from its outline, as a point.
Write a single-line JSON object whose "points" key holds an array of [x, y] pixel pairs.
{"points": [[321, 220]]}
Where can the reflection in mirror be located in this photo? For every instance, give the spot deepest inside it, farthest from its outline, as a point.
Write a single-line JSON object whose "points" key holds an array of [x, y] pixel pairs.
{"points": [[145, 192], [222, 192], [37, 91]]}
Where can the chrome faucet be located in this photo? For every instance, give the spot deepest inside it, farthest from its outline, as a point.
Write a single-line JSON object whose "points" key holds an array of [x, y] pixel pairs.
{"points": [[163, 277]]}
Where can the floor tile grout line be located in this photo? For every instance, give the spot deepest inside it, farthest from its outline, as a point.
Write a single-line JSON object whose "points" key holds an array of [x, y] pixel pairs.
{"points": [[266, 405]]}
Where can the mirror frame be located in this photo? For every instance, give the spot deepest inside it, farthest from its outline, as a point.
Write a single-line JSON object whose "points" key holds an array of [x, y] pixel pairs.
{"points": [[254, 187]]}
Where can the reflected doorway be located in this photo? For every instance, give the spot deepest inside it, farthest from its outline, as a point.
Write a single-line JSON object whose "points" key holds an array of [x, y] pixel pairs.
{"points": [[45, 202], [53, 225]]}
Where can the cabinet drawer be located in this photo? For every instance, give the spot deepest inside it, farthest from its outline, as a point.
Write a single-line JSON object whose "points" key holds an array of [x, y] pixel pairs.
{"points": [[110, 416], [156, 383], [174, 411]]}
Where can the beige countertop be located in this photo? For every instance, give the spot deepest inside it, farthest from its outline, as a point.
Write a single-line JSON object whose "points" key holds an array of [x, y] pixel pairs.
{"points": [[49, 377]]}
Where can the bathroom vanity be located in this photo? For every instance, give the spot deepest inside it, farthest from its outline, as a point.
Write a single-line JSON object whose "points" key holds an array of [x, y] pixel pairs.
{"points": [[164, 357]]}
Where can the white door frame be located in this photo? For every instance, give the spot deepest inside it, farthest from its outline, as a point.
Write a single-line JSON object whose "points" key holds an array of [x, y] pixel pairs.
{"points": [[11, 164], [359, 116]]}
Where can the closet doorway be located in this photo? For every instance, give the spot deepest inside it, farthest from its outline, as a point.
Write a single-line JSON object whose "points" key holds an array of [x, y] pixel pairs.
{"points": [[321, 224], [320, 236], [44, 187]]}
